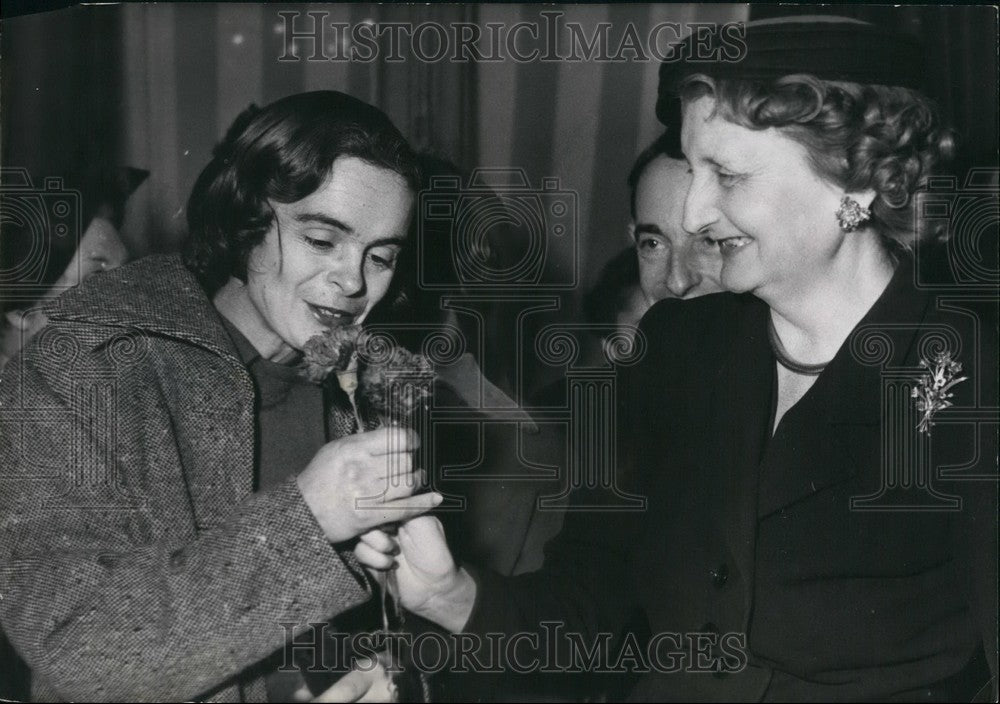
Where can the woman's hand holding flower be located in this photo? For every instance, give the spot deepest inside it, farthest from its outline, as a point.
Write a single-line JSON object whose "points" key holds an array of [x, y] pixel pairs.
{"points": [[429, 582], [347, 484]]}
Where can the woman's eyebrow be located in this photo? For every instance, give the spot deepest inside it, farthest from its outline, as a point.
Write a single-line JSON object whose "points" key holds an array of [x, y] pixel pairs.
{"points": [[386, 241], [331, 221], [324, 219]]}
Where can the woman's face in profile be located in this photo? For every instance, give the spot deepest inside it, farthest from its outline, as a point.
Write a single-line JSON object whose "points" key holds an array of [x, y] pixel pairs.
{"points": [[755, 194]]}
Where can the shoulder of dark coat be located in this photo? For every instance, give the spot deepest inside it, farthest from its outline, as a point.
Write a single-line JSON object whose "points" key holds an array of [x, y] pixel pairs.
{"points": [[696, 326]]}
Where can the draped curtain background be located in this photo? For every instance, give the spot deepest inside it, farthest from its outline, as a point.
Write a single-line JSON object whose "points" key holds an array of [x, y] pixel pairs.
{"points": [[155, 85], [60, 92], [190, 69]]}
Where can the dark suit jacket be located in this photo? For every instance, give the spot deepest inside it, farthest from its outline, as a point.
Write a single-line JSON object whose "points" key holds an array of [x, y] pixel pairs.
{"points": [[135, 561], [846, 557]]}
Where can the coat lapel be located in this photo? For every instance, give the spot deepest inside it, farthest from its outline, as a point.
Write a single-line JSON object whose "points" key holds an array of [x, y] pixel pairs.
{"points": [[215, 424], [207, 391], [836, 428], [165, 299]]}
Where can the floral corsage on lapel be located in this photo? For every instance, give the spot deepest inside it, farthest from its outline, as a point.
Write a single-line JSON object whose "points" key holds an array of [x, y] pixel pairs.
{"points": [[390, 383], [933, 390]]}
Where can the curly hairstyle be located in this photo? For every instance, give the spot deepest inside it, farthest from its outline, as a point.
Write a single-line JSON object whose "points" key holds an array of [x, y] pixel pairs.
{"points": [[280, 153], [883, 138]]}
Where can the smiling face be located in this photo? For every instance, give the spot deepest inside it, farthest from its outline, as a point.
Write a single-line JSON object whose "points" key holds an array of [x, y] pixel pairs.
{"points": [[672, 262], [756, 195], [327, 259]]}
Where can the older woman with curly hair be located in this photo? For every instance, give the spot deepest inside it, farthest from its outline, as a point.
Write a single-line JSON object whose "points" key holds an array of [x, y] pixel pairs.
{"points": [[809, 531]]}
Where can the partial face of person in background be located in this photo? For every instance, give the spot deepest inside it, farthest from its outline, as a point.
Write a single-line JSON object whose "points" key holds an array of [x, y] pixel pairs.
{"points": [[327, 259], [100, 249], [672, 262]]}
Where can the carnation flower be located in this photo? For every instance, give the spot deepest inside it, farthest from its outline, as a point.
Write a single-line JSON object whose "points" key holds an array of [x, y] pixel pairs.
{"points": [[393, 382], [329, 352], [397, 388]]}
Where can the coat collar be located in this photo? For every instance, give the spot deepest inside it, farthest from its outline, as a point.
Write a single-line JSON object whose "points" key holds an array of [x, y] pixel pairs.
{"points": [[828, 436], [835, 430], [851, 392], [156, 294]]}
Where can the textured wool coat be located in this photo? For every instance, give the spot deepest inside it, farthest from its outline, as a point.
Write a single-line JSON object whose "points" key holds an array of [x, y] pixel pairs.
{"points": [[135, 560]]}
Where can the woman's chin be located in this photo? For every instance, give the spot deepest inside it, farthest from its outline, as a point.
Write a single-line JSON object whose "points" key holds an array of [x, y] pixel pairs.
{"points": [[736, 279]]}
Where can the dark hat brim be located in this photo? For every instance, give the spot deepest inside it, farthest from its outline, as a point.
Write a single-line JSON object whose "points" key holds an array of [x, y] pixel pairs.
{"points": [[833, 49]]}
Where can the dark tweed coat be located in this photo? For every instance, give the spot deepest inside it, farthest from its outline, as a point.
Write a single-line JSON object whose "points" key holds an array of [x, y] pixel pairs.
{"points": [[135, 561]]}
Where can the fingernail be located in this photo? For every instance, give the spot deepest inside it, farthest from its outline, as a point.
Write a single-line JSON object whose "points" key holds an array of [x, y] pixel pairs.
{"points": [[437, 498]]}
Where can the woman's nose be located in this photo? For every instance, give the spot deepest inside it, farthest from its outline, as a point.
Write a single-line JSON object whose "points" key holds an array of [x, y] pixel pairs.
{"points": [[348, 273], [700, 212]]}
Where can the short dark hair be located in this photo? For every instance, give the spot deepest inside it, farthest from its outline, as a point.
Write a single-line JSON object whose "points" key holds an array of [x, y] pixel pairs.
{"points": [[282, 153], [667, 144]]}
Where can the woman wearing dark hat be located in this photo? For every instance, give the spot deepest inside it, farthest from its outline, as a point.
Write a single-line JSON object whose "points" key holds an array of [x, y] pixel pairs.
{"points": [[808, 533]]}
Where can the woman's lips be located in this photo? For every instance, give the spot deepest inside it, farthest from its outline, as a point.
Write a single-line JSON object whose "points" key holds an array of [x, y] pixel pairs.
{"points": [[331, 316], [731, 244]]}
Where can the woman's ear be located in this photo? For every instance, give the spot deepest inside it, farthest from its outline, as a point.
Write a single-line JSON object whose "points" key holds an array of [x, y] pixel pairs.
{"points": [[863, 198]]}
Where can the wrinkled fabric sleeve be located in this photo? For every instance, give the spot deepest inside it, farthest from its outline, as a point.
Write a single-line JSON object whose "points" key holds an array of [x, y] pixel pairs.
{"points": [[100, 609]]}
